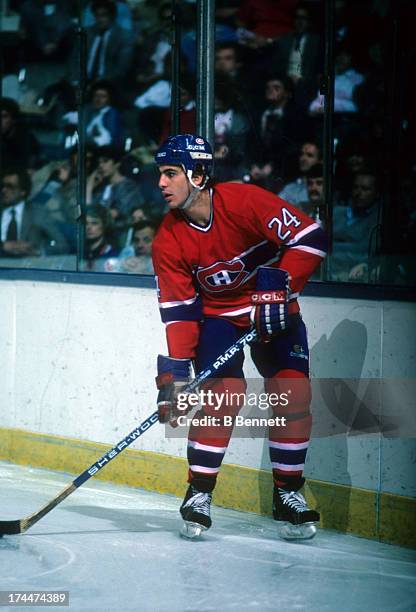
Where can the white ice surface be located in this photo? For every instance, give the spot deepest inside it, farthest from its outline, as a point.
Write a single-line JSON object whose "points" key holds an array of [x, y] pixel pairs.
{"points": [[115, 547]]}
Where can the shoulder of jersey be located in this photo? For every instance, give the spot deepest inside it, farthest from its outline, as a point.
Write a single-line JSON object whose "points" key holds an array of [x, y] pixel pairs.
{"points": [[239, 195], [170, 219]]}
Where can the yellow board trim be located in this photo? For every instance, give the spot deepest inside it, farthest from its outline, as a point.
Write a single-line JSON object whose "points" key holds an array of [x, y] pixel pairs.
{"points": [[343, 508]]}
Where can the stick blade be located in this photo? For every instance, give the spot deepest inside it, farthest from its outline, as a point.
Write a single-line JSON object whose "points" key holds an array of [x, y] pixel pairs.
{"points": [[10, 527]]}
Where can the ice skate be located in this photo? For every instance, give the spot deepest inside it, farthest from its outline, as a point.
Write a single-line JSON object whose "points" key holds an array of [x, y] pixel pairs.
{"points": [[195, 511], [295, 520]]}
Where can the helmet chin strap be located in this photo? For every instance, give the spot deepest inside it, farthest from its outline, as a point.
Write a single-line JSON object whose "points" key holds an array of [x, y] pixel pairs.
{"points": [[194, 191]]}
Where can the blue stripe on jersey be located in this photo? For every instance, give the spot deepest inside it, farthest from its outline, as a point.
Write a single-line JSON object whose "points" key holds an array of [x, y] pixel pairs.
{"points": [[259, 255], [204, 458], [317, 239], [183, 312], [288, 457]]}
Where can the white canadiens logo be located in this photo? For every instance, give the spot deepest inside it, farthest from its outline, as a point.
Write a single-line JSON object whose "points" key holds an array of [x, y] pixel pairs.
{"points": [[199, 141]]}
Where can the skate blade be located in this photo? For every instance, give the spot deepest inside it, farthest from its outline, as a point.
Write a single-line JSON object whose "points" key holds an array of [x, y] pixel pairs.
{"points": [[287, 531], [191, 530]]}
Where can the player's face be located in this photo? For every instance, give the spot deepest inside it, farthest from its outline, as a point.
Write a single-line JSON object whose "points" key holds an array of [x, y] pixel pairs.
{"points": [[174, 185]]}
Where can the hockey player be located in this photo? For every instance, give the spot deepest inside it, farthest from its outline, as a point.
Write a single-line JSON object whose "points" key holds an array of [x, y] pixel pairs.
{"points": [[228, 256]]}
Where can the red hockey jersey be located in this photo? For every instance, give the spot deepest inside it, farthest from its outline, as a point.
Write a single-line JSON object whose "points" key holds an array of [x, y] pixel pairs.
{"points": [[211, 271]]}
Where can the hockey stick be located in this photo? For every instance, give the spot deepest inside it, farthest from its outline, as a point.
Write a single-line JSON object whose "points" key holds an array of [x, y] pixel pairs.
{"points": [[22, 525]]}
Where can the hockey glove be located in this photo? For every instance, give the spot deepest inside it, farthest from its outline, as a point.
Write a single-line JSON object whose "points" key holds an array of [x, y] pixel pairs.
{"points": [[269, 314], [172, 376]]}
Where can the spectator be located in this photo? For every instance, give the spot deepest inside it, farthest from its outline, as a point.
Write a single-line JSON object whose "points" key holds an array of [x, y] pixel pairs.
{"points": [[229, 67], [108, 187], [263, 174], [137, 215], [281, 129], [231, 135], [157, 44], [264, 21], [109, 47], [46, 27], [296, 191], [55, 189], [352, 156], [158, 92], [139, 165], [225, 30], [124, 17], [152, 105], [228, 59], [58, 198], [355, 230], [153, 46], [24, 230], [99, 242], [314, 206], [103, 120], [187, 109], [297, 54], [157, 95], [346, 80], [19, 147], [136, 259]]}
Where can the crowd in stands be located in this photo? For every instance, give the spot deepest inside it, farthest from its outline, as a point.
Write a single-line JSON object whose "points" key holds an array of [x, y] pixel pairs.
{"points": [[269, 124]]}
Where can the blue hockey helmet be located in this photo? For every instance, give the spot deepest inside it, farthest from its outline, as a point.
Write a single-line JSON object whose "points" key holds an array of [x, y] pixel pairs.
{"points": [[188, 151]]}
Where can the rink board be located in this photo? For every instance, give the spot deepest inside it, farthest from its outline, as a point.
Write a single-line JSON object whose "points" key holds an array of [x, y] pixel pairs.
{"points": [[346, 509], [78, 364]]}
